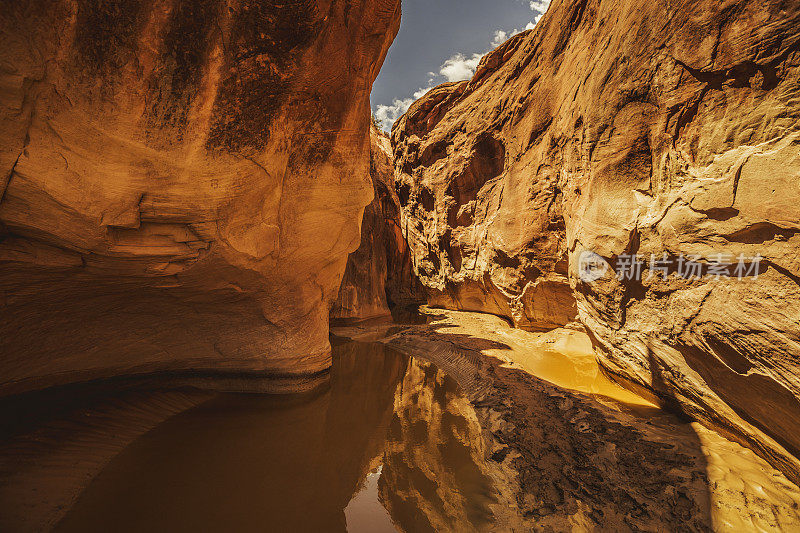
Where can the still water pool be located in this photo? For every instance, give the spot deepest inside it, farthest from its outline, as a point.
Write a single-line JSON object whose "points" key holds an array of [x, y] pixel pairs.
{"points": [[390, 441]]}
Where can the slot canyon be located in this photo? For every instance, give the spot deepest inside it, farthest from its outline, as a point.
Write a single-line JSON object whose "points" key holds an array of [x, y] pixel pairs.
{"points": [[557, 290]]}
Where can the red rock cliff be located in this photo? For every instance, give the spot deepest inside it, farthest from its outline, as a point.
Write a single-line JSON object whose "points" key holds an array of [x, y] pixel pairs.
{"points": [[181, 182], [629, 127], [379, 275]]}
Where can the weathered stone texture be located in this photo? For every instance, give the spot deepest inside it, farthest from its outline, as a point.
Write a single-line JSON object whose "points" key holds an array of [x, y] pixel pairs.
{"points": [[636, 126], [379, 276], [181, 182]]}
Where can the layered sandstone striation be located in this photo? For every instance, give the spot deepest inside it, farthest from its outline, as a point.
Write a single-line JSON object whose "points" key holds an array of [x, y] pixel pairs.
{"points": [[181, 182], [379, 276], [618, 128]]}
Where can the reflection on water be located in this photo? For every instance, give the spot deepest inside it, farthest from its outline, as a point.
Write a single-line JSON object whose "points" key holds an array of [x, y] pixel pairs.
{"points": [[434, 457], [365, 512], [390, 439], [391, 443]]}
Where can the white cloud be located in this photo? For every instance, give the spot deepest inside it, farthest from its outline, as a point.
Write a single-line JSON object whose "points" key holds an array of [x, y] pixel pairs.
{"points": [[500, 37], [540, 5], [460, 67], [387, 114], [421, 92]]}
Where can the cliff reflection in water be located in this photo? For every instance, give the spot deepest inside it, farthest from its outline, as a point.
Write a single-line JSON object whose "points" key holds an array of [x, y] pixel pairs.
{"points": [[433, 477], [243, 462]]}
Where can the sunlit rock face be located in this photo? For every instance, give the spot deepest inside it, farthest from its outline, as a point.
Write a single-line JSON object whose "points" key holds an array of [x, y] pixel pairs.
{"points": [[379, 274], [634, 127], [484, 236], [181, 182]]}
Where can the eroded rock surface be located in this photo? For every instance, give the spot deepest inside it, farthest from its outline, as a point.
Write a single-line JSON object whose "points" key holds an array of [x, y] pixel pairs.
{"points": [[181, 182], [379, 275], [483, 237], [632, 127]]}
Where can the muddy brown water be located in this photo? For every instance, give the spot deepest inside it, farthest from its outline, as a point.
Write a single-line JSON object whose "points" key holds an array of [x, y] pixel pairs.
{"points": [[356, 455], [390, 443]]}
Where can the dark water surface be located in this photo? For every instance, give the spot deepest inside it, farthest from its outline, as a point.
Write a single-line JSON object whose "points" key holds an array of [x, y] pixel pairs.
{"points": [[390, 440]]}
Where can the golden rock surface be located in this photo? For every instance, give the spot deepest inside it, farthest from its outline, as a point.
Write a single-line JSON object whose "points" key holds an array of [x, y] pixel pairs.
{"points": [[631, 127], [181, 182]]}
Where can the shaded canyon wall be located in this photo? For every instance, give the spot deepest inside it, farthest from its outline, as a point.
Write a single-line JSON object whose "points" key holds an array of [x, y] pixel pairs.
{"points": [[181, 182], [617, 128], [379, 275]]}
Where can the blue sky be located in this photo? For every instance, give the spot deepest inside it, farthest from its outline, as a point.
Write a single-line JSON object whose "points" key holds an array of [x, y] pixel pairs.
{"points": [[443, 40]]}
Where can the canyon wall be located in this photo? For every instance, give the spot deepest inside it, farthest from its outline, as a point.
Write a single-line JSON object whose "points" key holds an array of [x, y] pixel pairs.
{"points": [[379, 276], [181, 182], [659, 129]]}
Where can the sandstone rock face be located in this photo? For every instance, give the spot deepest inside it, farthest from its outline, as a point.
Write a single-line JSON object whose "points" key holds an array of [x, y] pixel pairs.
{"points": [[379, 275], [618, 128], [181, 182], [484, 237]]}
